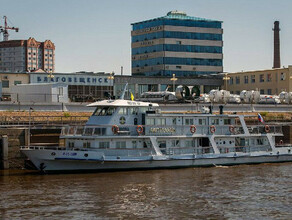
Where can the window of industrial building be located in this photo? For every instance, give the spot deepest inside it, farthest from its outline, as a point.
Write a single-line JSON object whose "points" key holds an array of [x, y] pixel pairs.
{"points": [[262, 79], [246, 79], [17, 82], [283, 76], [252, 78], [262, 91], [237, 80], [269, 91], [269, 77], [5, 83]]}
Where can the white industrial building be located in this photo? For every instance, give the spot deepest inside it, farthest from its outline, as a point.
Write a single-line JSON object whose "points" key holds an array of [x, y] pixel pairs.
{"points": [[45, 92]]}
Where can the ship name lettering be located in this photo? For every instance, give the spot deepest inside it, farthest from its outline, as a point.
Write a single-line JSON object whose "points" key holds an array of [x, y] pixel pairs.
{"points": [[162, 130]]}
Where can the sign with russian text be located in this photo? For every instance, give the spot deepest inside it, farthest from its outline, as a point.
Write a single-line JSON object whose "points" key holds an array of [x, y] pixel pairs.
{"points": [[71, 79]]}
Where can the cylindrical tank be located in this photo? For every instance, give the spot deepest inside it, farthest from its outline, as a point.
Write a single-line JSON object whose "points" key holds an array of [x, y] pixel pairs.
{"points": [[225, 95], [182, 92], [215, 95]]}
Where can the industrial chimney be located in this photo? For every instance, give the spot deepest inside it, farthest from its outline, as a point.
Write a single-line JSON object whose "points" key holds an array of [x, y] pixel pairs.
{"points": [[277, 62]]}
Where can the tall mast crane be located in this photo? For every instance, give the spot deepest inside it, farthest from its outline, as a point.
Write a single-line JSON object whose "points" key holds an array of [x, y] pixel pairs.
{"points": [[4, 29]]}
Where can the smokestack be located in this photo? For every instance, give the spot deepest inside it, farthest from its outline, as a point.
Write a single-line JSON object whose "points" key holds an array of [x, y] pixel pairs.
{"points": [[277, 62]]}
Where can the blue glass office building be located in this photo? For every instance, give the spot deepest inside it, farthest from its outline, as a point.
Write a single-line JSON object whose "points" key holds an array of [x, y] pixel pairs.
{"points": [[177, 44]]}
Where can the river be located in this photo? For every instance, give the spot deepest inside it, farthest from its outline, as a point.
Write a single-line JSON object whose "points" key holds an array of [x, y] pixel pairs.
{"points": [[237, 192]]}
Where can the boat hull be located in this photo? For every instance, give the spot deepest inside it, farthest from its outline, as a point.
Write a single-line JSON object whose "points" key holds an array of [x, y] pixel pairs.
{"points": [[45, 162]]}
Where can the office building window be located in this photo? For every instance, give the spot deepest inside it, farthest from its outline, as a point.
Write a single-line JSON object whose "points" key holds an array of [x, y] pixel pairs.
{"points": [[246, 79], [237, 80], [17, 82], [231, 81], [252, 78], [5, 83], [262, 79]]}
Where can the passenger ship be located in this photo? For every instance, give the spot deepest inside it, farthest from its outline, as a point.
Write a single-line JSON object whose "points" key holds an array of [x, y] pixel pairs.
{"points": [[124, 134]]}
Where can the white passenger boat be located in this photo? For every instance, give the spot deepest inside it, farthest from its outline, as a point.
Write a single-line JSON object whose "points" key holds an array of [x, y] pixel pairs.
{"points": [[123, 134]]}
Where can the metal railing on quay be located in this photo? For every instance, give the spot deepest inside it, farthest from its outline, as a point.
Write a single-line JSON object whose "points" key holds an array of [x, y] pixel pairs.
{"points": [[43, 120]]}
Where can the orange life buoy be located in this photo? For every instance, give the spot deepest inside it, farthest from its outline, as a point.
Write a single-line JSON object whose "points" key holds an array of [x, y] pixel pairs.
{"points": [[212, 129], [193, 129], [139, 129], [115, 129], [231, 129], [267, 128]]}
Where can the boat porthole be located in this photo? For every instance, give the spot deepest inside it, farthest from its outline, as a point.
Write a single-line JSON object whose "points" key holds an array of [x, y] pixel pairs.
{"points": [[118, 157], [53, 153], [85, 155]]}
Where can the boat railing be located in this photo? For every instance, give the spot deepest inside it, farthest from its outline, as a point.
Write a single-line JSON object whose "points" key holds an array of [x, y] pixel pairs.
{"points": [[166, 130], [189, 150], [244, 149]]}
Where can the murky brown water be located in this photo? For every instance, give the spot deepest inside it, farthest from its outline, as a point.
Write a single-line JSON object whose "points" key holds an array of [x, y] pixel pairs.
{"points": [[238, 192]]}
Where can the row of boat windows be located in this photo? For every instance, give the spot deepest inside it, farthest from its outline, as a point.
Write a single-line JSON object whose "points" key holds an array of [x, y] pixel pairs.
{"points": [[178, 35], [177, 48], [188, 121], [108, 111], [173, 143], [134, 144]]}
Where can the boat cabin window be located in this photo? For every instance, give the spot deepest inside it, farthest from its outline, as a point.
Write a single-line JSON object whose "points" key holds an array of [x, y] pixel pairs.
{"points": [[123, 111], [86, 144], [104, 111], [189, 121], [175, 143], [143, 109], [160, 121], [71, 144], [202, 121], [227, 121], [133, 111], [104, 144], [121, 144], [174, 121], [134, 144], [150, 121], [215, 121], [99, 131], [88, 131], [189, 143]]}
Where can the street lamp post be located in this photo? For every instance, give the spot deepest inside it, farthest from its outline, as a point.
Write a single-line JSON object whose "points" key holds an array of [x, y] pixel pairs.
{"points": [[111, 79], [226, 78], [173, 79], [50, 77]]}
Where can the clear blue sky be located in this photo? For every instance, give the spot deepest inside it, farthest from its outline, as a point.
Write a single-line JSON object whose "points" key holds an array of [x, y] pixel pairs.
{"points": [[94, 35]]}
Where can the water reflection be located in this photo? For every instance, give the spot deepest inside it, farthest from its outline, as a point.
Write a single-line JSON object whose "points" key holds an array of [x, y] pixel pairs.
{"points": [[238, 192]]}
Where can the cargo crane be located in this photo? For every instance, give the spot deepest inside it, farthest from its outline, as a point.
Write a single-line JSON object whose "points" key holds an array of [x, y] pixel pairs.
{"points": [[4, 29]]}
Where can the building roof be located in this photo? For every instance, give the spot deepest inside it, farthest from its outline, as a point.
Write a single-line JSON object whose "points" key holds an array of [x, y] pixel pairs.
{"points": [[178, 15]]}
